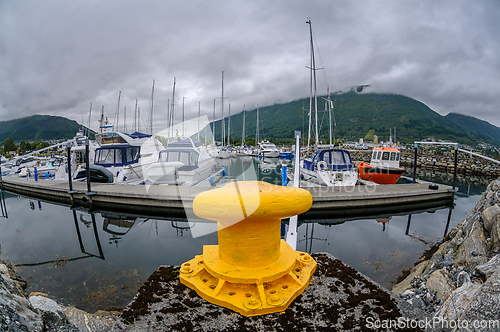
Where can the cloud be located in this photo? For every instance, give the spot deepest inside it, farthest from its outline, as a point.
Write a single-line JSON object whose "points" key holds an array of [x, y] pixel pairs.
{"points": [[57, 57]]}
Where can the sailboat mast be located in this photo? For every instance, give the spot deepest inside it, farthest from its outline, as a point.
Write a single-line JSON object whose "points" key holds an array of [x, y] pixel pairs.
{"points": [[125, 119], [328, 101], [223, 122], [213, 127], [135, 116], [151, 108], [118, 111], [243, 132], [257, 128], [90, 113], [172, 111], [199, 114], [183, 98], [229, 126]]}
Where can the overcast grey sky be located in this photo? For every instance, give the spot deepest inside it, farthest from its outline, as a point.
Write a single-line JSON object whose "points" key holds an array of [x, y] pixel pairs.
{"points": [[57, 57]]}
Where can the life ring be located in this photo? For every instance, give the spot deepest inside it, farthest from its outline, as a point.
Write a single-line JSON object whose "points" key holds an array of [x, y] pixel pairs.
{"points": [[322, 165]]}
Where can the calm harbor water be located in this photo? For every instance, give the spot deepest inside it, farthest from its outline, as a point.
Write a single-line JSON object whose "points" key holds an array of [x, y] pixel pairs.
{"points": [[99, 261]]}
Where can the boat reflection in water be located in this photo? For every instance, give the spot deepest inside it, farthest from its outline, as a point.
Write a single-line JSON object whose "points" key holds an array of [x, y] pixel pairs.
{"points": [[99, 260]]}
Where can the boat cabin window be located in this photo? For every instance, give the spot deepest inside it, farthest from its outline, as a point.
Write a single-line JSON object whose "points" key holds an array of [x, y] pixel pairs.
{"points": [[374, 155], [185, 157], [385, 155], [379, 155], [393, 156], [117, 156]]}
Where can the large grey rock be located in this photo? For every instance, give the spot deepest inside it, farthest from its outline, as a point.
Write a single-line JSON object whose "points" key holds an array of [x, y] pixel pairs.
{"points": [[490, 215], [474, 303], [16, 312], [472, 252], [488, 269], [85, 322], [405, 285], [495, 234], [439, 282]]}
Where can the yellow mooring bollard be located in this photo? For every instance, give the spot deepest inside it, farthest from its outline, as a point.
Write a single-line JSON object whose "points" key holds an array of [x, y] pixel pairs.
{"points": [[251, 271]]}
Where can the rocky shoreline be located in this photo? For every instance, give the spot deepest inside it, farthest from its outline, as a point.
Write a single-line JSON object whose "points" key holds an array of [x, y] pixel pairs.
{"points": [[458, 280], [36, 312]]}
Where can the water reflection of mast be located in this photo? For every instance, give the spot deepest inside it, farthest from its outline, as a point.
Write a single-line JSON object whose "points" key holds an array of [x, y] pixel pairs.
{"points": [[180, 229], [60, 262], [3, 206], [309, 240]]}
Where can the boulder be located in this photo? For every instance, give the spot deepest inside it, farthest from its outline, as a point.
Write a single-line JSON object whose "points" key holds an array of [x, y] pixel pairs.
{"points": [[495, 234], [488, 269], [490, 215], [474, 303], [404, 285], [472, 252], [440, 282]]}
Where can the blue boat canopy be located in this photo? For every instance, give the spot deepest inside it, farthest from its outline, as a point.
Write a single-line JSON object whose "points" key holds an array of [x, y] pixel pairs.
{"points": [[139, 135], [336, 160]]}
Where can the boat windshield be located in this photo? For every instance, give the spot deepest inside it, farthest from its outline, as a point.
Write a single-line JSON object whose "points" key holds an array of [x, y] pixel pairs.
{"points": [[187, 157], [268, 146]]}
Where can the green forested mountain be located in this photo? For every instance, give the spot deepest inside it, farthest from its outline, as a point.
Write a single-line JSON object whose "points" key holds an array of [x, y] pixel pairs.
{"points": [[356, 116], [483, 130], [38, 128]]}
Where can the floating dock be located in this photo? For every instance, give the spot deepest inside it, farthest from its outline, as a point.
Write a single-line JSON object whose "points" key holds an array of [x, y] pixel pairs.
{"points": [[173, 201]]}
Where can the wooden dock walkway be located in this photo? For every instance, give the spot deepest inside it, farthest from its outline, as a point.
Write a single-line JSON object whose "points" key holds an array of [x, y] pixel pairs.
{"points": [[173, 201]]}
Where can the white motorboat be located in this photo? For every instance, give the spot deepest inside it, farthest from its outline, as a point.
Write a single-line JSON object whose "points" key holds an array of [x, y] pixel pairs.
{"points": [[268, 150], [126, 156], [185, 162]]}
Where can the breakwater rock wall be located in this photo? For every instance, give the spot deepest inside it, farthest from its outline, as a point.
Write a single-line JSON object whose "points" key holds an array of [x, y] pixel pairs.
{"points": [[443, 161], [36, 312], [458, 280]]}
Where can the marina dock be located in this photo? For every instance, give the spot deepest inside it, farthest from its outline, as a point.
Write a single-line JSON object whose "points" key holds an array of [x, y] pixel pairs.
{"points": [[173, 201]]}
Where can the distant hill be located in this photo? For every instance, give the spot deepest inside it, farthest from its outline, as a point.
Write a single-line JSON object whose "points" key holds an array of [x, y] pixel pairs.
{"points": [[357, 115], [38, 128], [481, 129]]}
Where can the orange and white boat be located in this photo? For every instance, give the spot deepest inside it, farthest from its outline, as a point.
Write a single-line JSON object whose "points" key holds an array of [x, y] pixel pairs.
{"points": [[384, 166]]}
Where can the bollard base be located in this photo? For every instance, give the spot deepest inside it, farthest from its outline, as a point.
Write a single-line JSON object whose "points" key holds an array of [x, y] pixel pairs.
{"points": [[249, 291]]}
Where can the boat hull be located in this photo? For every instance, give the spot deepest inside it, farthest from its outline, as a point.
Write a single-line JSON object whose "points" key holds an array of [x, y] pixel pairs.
{"points": [[380, 175]]}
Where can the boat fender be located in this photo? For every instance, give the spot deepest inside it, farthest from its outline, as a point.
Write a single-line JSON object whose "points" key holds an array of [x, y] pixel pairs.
{"points": [[433, 186], [322, 165]]}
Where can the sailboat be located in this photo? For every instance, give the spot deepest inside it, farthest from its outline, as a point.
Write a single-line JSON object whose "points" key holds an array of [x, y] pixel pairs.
{"points": [[328, 167]]}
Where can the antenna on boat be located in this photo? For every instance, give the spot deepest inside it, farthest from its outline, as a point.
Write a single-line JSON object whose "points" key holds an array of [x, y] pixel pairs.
{"points": [[102, 119], [229, 127]]}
